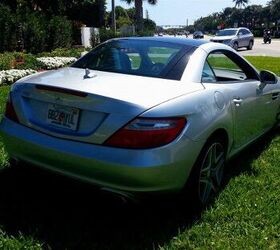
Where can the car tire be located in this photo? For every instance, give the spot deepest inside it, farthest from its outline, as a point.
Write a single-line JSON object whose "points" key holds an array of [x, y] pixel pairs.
{"points": [[235, 46], [207, 174], [250, 46]]}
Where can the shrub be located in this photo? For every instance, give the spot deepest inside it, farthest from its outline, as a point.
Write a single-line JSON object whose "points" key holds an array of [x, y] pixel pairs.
{"points": [[60, 33], [8, 39], [6, 61], [105, 35], [26, 61], [63, 52], [18, 60], [257, 32], [35, 33]]}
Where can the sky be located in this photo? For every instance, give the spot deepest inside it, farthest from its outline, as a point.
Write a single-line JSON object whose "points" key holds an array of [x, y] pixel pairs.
{"points": [[176, 12]]}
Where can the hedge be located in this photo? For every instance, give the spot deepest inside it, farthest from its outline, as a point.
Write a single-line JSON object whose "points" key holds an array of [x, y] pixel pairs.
{"points": [[33, 31]]}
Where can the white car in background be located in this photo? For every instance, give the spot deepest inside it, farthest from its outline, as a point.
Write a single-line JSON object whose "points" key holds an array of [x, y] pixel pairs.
{"points": [[235, 38]]}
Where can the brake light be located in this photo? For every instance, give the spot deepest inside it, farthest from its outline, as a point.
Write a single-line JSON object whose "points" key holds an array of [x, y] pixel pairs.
{"points": [[147, 133], [10, 111], [61, 90]]}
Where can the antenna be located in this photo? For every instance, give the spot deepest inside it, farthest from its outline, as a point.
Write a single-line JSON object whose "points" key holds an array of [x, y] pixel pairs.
{"points": [[88, 74]]}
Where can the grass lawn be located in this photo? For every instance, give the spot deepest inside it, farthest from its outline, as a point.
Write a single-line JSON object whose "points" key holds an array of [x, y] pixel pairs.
{"points": [[39, 210]]}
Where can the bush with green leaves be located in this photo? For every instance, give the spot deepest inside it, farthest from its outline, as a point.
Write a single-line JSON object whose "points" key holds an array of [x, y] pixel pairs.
{"points": [[63, 52], [26, 61], [41, 34], [8, 40], [60, 33], [35, 33], [105, 35], [19, 60], [6, 61]]}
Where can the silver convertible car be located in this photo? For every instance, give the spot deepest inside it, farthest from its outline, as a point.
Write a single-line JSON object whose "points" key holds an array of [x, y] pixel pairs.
{"points": [[143, 115]]}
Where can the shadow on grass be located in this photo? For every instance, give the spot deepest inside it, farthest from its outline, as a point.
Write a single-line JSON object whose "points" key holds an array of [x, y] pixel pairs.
{"points": [[65, 214], [242, 163]]}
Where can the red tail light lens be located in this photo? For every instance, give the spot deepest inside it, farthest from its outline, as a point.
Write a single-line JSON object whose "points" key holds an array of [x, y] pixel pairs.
{"points": [[147, 133], [10, 111]]}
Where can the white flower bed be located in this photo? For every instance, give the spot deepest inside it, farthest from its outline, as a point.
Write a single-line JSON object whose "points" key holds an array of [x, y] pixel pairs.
{"points": [[12, 75], [56, 62]]}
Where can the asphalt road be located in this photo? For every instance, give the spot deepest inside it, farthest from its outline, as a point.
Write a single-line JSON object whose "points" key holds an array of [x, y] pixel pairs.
{"points": [[261, 49]]}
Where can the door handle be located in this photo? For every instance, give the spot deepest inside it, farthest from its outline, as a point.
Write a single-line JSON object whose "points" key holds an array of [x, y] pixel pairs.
{"points": [[237, 101]]}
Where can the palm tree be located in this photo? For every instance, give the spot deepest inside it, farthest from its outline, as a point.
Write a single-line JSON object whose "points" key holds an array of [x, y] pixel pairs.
{"points": [[139, 11], [240, 3]]}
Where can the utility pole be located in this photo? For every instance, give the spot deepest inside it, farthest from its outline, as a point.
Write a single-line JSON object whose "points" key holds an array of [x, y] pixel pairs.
{"points": [[114, 16]]}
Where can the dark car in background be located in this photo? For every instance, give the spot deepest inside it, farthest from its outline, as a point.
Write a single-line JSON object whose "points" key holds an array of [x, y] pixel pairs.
{"points": [[198, 35]]}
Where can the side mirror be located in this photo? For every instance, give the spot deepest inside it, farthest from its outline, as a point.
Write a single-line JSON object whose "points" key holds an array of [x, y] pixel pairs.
{"points": [[267, 77]]}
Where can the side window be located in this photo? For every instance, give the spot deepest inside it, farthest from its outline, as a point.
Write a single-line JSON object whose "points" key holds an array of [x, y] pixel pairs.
{"points": [[207, 73], [224, 69], [135, 59], [244, 32], [162, 55]]}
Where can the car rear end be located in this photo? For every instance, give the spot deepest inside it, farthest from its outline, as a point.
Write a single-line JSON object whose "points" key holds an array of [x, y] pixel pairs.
{"points": [[98, 128]]}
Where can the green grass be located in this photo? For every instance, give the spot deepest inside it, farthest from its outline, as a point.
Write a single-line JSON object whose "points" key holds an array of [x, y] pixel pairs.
{"points": [[39, 210], [246, 214], [260, 62], [264, 62]]}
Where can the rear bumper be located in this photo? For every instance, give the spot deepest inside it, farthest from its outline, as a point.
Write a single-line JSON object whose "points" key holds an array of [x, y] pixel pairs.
{"points": [[164, 169]]}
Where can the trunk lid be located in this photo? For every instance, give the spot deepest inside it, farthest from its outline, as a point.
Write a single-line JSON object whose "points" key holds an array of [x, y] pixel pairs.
{"points": [[64, 104]]}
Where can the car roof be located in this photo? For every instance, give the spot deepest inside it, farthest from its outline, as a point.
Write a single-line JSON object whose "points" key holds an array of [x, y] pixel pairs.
{"points": [[236, 28], [231, 29], [174, 40]]}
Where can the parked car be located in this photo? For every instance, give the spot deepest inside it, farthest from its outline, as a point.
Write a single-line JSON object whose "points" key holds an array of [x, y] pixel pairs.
{"points": [[235, 38], [198, 35], [143, 115]]}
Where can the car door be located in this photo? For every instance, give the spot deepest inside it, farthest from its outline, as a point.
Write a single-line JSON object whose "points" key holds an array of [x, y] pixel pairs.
{"points": [[247, 37], [241, 38], [238, 82]]}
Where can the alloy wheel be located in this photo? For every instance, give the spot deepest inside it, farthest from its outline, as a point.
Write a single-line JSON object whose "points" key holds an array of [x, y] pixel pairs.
{"points": [[211, 172], [250, 46]]}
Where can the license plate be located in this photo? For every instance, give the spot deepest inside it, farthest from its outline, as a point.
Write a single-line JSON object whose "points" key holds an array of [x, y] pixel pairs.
{"points": [[62, 116]]}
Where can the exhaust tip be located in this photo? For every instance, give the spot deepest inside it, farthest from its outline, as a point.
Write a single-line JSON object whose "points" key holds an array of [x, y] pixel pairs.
{"points": [[123, 197]]}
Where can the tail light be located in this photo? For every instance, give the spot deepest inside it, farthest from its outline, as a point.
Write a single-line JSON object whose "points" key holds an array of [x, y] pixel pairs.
{"points": [[147, 133], [10, 111]]}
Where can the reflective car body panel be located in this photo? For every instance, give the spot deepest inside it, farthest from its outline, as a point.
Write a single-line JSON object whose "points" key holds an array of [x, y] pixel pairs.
{"points": [[213, 97], [235, 37]]}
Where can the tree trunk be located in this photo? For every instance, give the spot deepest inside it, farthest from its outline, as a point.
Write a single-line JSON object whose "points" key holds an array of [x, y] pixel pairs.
{"points": [[113, 16], [139, 15]]}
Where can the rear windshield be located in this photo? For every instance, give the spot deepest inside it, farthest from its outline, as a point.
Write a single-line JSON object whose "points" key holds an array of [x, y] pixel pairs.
{"points": [[138, 57], [226, 32]]}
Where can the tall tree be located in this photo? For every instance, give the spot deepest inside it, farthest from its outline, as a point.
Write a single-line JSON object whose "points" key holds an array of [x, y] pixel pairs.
{"points": [[240, 3], [275, 9], [139, 11]]}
